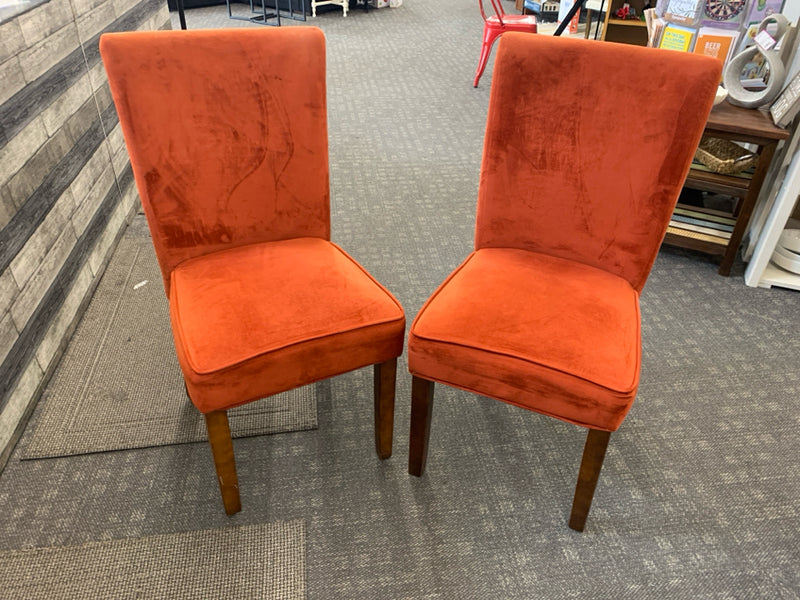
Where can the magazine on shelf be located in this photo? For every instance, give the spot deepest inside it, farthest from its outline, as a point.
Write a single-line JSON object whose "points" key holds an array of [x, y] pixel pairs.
{"points": [[661, 8], [684, 12], [677, 37], [719, 43]]}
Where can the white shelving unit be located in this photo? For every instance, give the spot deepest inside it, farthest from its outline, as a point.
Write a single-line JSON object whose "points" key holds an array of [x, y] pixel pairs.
{"points": [[760, 271], [766, 231]]}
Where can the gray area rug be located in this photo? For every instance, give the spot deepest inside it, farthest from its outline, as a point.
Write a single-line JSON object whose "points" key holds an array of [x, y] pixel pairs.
{"points": [[119, 384], [256, 561]]}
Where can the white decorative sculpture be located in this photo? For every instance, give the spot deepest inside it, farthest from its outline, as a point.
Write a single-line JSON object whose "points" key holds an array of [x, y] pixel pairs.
{"points": [[737, 94]]}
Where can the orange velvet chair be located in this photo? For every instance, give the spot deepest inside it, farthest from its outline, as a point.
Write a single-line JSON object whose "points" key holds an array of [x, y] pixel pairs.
{"points": [[573, 203], [497, 24], [227, 135]]}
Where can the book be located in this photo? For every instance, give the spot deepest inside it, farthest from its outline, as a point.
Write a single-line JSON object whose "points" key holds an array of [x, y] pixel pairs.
{"points": [[755, 73], [684, 12], [718, 43], [677, 37]]}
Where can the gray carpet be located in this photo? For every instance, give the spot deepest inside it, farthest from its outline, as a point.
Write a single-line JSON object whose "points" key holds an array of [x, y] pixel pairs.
{"points": [[119, 384], [217, 563], [698, 494]]}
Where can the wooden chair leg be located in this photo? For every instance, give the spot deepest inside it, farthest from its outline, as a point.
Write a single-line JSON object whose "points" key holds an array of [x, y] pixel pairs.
{"points": [[593, 454], [219, 436], [385, 376], [421, 410]]}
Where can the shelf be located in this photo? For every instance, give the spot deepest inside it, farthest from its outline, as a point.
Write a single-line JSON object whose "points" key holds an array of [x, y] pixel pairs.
{"points": [[708, 181], [743, 124], [706, 214], [685, 238], [627, 22], [700, 229], [773, 275], [760, 271]]}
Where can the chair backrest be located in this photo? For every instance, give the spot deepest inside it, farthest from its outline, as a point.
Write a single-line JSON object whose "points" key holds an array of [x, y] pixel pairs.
{"points": [[497, 6], [587, 147], [227, 134]]}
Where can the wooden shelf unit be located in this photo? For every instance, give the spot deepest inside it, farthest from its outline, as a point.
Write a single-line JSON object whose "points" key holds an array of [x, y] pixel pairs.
{"points": [[626, 22], [726, 122], [626, 31], [741, 125]]}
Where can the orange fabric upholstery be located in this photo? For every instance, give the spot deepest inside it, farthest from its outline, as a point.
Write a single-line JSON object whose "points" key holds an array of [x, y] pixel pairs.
{"points": [[593, 176], [227, 134], [229, 128], [541, 332], [587, 146], [294, 300]]}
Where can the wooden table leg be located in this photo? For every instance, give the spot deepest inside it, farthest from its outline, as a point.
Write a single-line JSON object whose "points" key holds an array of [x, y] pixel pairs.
{"points": [[746, 210]]}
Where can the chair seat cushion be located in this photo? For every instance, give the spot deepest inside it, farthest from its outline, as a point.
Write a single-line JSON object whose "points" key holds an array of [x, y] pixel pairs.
{"points": [[263, 318], [544, 333]]}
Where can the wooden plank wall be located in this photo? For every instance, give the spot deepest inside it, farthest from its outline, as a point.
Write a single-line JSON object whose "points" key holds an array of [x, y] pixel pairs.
{"points": [[66, 187]]}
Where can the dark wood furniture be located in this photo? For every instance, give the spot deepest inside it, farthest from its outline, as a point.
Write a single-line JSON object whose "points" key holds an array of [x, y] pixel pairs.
{"points": [[741, 125]]}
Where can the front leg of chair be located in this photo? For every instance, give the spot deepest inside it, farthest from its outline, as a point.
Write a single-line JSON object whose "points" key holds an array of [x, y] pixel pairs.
{"points": [[385, 377], [219, 436], [593, 454], [421, 410]]}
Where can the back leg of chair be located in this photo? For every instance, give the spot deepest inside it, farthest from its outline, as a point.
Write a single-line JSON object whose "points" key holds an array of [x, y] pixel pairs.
{"points": [[219, 436], [421, 411], [593, 454], [385, 375], [489, 36]]}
